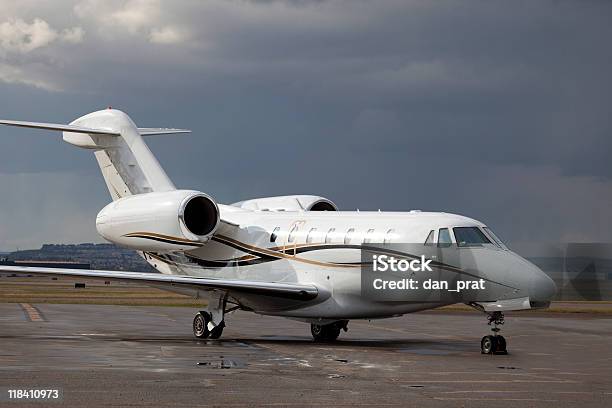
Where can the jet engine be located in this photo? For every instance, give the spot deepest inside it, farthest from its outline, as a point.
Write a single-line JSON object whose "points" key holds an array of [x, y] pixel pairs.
{"points": [[161, 221], [288, 203]]}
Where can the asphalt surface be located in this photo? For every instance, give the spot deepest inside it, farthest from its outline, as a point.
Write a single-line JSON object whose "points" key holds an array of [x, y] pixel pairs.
{"points": [[140, 356]]}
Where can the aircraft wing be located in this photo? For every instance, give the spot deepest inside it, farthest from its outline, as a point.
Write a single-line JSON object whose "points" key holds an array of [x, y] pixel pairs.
{"points": [[274, 289]]}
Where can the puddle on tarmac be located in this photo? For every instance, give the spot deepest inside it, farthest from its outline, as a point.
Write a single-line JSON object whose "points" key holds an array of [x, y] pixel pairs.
{"points": [[331, 376], [223, 363]]}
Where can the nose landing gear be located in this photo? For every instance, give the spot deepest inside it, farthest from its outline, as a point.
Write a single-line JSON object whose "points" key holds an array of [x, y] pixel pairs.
{"points": [[495, 344]]}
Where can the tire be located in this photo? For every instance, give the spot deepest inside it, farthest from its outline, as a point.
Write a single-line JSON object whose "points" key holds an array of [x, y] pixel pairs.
{"points": [[317, 332], [325, 332], [501, 345], [488, 345], [217, 331], [200, 325], [333, 333]]}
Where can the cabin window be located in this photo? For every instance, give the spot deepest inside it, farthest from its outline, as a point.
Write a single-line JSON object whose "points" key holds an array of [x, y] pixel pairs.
{"points": [[274, 234], [444, 238], [470, 236], [310, 236], [349, 235], [430, 238], [329, 236], [389, 236], [368, 236]]}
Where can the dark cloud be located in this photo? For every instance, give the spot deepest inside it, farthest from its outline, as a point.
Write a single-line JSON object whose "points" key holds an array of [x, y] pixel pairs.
{"points": [[498, 111]]}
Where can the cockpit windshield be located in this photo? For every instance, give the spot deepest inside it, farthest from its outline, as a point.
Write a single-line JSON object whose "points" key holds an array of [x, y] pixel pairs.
{"points": [[494, 237], [470, 236]]}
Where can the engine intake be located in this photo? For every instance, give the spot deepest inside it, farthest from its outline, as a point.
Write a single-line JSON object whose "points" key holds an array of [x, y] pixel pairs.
{"points": [[323, 205], [200, 215]]}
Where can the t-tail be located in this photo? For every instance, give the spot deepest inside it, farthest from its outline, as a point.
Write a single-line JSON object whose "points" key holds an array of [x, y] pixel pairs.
{"points": [[127, 164], [148, 213]]}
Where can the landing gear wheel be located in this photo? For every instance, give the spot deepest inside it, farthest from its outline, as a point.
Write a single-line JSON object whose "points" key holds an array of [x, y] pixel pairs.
{"points": [[501, 345], [217, 331], [488, 345], [200, 325], [327, 332], [317, 331], [324, 332]]}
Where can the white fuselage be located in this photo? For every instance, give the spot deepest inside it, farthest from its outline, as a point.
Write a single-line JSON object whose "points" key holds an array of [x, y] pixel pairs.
{"points": [[324, 249]]}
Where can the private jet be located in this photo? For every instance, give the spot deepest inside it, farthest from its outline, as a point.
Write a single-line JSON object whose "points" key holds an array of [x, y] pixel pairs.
{"points": [[293, 256]]}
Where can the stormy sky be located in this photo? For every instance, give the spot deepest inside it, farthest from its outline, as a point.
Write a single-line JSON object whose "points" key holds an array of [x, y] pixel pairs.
{"points": [[497, 110]]}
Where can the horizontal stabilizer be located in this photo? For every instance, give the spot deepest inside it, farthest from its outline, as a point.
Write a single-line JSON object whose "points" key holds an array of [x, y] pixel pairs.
{"points": [[274, 289], [59, 127], [160, 131]]}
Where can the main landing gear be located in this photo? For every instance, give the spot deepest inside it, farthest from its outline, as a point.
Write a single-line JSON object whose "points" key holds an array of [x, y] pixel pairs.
{"points": [[209, 324], [204, 328], [495, 344], [328, 332]]}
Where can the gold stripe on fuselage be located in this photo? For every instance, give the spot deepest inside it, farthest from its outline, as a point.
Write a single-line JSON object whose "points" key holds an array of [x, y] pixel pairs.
{"points": [[274, 252]]}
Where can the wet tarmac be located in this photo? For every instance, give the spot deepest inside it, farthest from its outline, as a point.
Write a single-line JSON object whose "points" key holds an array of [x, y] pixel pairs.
{"points": [[140, 356]]}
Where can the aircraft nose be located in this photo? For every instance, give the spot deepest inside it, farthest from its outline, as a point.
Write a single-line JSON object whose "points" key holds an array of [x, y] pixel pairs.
{"points": [[543, 288]]}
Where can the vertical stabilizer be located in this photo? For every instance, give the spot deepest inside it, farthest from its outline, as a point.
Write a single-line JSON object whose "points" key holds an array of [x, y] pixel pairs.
{"points": [[127, 164]]}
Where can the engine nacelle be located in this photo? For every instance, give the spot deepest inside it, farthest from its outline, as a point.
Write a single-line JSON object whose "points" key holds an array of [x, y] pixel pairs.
{"points": [[162, 221], [288, 203]]}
